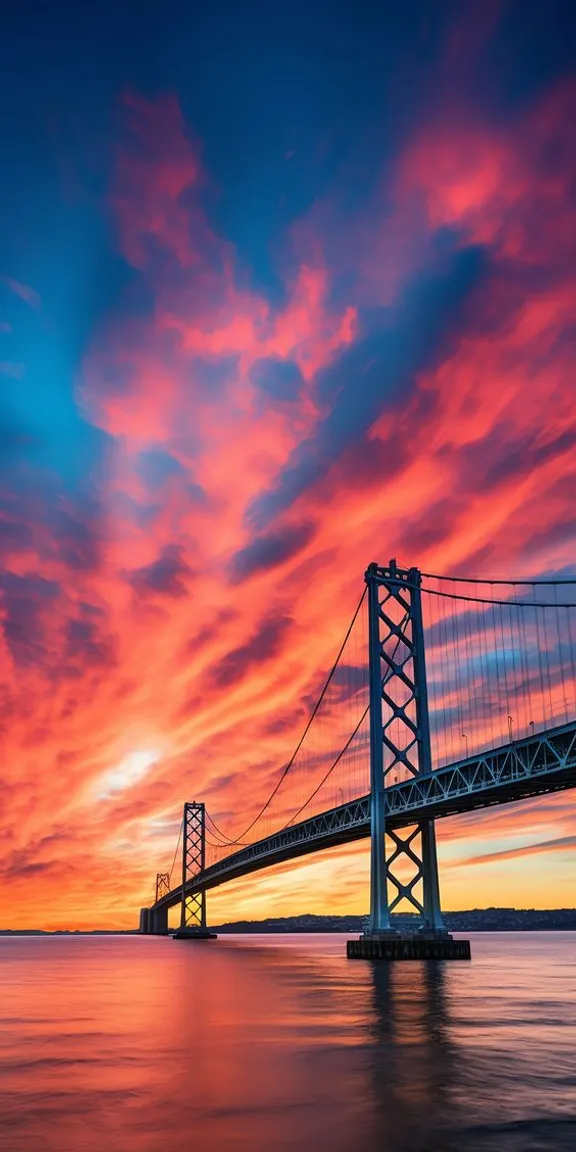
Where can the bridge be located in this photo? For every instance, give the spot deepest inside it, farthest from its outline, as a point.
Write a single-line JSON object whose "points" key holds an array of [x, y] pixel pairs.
{"points": [[446, 696]]}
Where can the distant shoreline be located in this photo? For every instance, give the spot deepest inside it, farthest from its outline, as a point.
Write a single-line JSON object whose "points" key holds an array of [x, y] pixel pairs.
{"points": [[473, 920]]}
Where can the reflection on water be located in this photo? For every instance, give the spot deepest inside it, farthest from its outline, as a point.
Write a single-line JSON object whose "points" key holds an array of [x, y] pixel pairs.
{"points": [[138, 1044], [412, 1057]]}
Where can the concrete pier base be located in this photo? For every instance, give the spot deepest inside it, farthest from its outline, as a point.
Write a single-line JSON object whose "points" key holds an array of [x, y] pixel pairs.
{"points": [[194, 934], [158, 921], [408, 948]]}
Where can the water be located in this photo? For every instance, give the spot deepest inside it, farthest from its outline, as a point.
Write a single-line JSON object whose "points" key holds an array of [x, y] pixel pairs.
{"points": [[129, 1044]]}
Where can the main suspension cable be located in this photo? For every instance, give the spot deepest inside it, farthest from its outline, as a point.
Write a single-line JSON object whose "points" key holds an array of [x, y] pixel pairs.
{"points": [[354, 733], [176, 852], [485, 580], [506, 603], [240, 838], [331, 768], [222, 843]]}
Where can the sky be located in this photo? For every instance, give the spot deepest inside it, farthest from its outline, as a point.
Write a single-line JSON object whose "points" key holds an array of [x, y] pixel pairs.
{"points": [[284, 289]]}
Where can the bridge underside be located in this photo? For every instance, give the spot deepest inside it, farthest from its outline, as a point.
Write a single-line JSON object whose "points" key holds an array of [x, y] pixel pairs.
{"points": [[541, 764]]}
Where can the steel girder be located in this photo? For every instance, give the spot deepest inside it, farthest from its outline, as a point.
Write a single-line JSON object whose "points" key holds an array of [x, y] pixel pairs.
{"points": [[515, 771], [537, 765], [328, 825]]}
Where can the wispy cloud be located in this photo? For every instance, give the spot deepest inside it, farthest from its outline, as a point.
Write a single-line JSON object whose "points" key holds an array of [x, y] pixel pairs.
{"points": [[560, 844], [24, 291]]}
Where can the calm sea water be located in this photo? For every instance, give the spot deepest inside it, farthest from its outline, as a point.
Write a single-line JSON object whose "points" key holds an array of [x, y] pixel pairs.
{"points": [[128, 1044]]}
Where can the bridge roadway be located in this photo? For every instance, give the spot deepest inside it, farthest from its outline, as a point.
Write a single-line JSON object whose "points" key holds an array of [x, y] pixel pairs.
{"points": [[539, 764]]}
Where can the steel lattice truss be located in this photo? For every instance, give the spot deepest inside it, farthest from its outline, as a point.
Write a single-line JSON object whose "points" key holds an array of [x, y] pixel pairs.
{"points": [[162, 885], [531, 767], [193, 856], [328, 825], [397, 676], [403, 850], [542, 763], [401, 717]]}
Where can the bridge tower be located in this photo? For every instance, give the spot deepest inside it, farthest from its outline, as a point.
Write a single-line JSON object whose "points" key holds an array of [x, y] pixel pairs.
{"points": [[158, 915], [404, 865], [162, 885], [193, 906]]}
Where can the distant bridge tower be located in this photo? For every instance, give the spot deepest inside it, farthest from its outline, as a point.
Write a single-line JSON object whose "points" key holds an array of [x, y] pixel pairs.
{"points": [[154, 920], [162, 885], [399, 748]]}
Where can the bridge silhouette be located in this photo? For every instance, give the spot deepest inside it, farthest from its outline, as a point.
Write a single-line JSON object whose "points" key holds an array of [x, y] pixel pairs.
{"points": [[447, 695]]}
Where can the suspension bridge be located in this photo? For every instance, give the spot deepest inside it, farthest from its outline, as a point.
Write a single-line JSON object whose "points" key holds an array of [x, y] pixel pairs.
{"points": [[447, 695]]}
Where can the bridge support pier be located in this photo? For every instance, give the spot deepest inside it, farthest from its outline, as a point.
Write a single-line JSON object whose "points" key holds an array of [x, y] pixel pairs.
{"points": [[154, 921], [404, 864], [433, 921], [159, 921]]}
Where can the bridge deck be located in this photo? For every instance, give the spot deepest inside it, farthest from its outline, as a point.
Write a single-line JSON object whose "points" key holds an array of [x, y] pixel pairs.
{"points": [[543, 763]]}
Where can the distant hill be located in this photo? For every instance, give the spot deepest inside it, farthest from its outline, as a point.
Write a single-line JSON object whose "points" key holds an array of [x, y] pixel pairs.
{"points": [[475, 920]]}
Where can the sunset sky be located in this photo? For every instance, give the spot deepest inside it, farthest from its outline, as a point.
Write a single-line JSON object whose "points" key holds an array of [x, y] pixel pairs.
{"points": [[284, 289]]}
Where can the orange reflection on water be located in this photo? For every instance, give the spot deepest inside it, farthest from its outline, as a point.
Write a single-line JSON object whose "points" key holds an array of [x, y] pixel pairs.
{"points": [[140, 1044]]}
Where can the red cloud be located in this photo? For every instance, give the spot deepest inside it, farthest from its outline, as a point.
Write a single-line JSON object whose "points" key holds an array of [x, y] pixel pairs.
{"points": [[155, 169]]}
